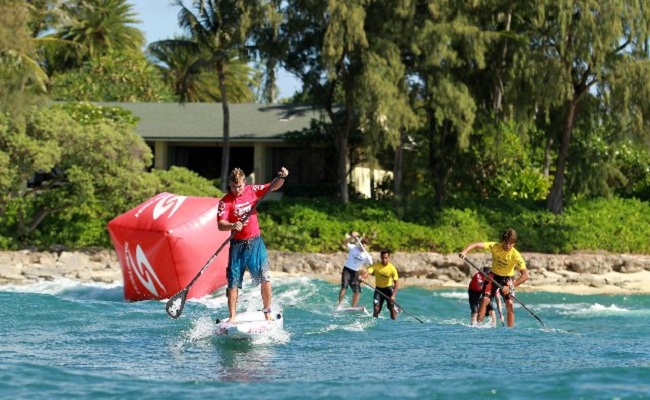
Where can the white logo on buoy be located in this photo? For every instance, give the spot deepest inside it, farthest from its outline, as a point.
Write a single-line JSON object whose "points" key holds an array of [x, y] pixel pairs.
{"points": [[166, 203], [142, 269]]}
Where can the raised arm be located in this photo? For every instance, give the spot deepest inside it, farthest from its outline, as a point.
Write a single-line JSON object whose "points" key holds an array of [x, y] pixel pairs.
{"points": [[470, 247], [282, 173]]}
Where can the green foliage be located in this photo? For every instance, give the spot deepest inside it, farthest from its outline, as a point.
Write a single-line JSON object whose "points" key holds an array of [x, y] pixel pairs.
{"points": [[89, 114], [70, 169], [499, 164], [126, 77], [616, 225], [634, 163], [94, 28], [183, 182], [22, 80]]}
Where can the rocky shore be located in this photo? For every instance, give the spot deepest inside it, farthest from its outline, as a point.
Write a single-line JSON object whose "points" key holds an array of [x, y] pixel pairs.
{"points": [[580, 273]]}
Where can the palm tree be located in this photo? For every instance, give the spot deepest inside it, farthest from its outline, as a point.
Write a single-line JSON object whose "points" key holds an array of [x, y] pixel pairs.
{"points": [[186, 71], [268, 46], [218, 29], [22, 80], [97, 26]]}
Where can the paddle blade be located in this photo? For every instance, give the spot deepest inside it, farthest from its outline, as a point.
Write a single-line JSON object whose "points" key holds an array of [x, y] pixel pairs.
{"points": [[175, 304]]}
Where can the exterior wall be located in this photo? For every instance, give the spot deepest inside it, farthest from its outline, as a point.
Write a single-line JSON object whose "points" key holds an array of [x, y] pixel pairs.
{"points": [[161, 156], [363, 178]]}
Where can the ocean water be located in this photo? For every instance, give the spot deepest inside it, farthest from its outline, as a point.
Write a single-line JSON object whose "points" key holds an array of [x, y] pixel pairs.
{"points": [[66, 340]]}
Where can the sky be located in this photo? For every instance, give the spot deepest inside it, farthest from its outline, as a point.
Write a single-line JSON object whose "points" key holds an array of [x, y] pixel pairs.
{"points": [[159, 21]]}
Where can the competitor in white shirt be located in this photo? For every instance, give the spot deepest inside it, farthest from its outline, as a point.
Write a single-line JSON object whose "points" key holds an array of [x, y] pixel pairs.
{"points": [[357, 258]]}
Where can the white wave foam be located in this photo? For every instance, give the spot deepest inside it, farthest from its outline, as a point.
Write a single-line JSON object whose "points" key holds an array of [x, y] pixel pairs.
{"points": [[591, 309], [57, 286], [452, 295]]}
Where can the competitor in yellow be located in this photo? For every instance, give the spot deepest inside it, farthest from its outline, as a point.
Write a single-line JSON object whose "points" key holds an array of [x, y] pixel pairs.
{"points": [[505, 259], [386, 284]]}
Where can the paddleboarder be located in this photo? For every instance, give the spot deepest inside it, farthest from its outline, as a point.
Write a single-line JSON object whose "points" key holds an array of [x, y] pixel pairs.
{"points": [[505, 258], [247, 248], [386, 284], [357, 258]]}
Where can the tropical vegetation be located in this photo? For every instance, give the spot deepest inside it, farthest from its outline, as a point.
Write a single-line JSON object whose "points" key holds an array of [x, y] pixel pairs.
{"points": [[490, 114]]}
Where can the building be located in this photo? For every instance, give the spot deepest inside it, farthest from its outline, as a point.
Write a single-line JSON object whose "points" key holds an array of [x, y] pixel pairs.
{"points": [[191, 135]]}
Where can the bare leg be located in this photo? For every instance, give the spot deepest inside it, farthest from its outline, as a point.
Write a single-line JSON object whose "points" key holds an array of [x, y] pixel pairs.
{"points": [[493, 318], [355, 298], [232, 303], [376, 311], [341, 297], [481, 312], [472, 319], [393, 312], [266, 298], [510, 309]]}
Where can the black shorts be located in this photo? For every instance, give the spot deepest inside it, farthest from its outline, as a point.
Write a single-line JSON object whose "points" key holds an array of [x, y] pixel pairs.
{"points": [[350, 278], [490, 289], [475, 301], [379, 299]]}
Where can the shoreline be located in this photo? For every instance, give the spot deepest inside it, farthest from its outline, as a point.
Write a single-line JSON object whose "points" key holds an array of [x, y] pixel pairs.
{"points": [[579, 274], [635, 284]]}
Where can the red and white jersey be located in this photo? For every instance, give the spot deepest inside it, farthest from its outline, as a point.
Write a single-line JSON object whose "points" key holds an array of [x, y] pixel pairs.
{"points": [[233, 209], [476, 283]]}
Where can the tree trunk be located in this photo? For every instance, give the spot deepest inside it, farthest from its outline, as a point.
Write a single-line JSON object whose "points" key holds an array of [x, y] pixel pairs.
{"points": [[269, 86], [498, 87], [397, 170], [342, 167], [436, 163], [554, 202], [547, 157], [341, 131], [225, 150]]}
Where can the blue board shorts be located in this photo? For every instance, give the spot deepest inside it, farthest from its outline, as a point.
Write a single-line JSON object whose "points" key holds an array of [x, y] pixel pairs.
{"points": [[251, 254]]}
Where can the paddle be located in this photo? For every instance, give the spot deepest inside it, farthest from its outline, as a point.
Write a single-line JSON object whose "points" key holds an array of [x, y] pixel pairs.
{"points": [[501, 287], [376, 291], [175, 304]]}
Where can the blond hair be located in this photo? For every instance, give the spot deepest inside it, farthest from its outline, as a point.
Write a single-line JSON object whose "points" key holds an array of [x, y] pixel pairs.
{"points": [[237, 175]]}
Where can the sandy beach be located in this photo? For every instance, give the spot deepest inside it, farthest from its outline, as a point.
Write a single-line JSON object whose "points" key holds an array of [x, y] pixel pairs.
{"points": [[614, 283]]}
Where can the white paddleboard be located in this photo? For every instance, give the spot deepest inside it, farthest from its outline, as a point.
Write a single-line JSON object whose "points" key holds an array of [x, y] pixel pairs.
{"points": [[248, 325], [350, 310]]}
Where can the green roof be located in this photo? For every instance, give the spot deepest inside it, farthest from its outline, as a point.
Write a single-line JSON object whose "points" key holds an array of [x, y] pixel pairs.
{"points": [[204, 121]]}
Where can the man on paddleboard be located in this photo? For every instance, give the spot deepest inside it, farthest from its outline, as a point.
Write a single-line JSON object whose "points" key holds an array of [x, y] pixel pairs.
{"points": [[247, 248], [505, 258], [357, 258], [386, 284]]}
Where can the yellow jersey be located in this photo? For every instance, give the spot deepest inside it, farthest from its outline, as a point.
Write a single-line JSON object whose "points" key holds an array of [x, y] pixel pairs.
{"points": [[504, 262], [385, 275]]}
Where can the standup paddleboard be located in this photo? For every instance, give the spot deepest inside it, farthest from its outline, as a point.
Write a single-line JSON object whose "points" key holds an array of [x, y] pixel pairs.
{"points": [[248, 325], [350, 310]]}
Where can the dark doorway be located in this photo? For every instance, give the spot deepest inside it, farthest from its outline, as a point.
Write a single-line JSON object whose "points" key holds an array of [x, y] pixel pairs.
{"points": [[206, 161]]}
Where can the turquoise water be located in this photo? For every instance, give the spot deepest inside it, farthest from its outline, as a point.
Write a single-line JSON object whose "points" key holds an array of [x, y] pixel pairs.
{"points": [[61, 340]]}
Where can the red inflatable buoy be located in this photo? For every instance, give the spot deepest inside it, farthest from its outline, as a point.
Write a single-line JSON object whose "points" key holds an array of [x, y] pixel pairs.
{"points": [[164, 242]]}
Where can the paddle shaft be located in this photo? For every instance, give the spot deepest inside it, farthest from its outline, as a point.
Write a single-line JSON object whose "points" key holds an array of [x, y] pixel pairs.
{"points": [[172, 307], [376, 291], [389, 299], [501, 287]]}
